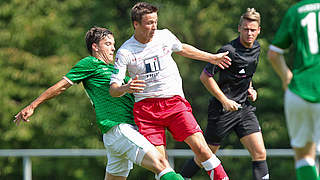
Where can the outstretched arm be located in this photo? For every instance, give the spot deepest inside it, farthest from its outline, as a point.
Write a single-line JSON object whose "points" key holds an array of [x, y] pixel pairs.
{"points": [[279, 65], [220, 59], [214, 89], [52, 92]]}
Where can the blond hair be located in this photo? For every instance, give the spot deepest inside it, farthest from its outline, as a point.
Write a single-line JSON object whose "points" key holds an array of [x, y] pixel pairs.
{"points": [[251, 14]]}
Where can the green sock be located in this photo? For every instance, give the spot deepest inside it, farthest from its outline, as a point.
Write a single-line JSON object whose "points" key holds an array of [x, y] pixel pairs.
{"points": [[171, 176], [307, 173], [179, 177]]}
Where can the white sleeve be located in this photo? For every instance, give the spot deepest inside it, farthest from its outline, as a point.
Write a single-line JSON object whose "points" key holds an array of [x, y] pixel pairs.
{"points": [[120, 66], [174, 42]]}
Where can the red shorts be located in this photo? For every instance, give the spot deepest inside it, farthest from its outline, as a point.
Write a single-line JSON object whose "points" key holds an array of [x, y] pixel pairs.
{"points": [[154, 115]]}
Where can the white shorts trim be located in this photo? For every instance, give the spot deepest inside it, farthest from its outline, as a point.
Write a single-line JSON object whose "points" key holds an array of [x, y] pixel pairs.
{"points": [[303, 120], [124, 146]]}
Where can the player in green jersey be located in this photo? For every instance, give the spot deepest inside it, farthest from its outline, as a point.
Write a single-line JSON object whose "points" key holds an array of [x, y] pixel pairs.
{"points": [[301, 28], [124, 144]]}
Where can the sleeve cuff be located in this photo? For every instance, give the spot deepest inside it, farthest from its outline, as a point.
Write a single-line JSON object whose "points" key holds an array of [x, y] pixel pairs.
{"points": [[207, 73], [276, 49], [67, 79]]}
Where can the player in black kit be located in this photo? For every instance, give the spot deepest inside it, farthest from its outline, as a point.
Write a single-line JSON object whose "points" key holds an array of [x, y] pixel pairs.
{"points": [[230, 108]]}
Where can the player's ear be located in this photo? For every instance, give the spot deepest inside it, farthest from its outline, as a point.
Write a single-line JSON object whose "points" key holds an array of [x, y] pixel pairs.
{"points": [[135, 24], [94, 47]]}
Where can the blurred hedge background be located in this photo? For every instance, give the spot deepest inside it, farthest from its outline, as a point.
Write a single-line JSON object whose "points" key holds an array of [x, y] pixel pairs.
{"points": [[40, 40]]}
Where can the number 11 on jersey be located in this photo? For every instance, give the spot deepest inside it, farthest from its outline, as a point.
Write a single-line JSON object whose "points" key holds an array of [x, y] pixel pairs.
{"points": [[310, 21]]}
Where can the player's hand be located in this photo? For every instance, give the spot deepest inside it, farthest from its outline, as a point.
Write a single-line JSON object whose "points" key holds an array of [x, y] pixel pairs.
{"points": [[23, 115], [252, 94], [230, 105], [222, 60], [136, 86]]}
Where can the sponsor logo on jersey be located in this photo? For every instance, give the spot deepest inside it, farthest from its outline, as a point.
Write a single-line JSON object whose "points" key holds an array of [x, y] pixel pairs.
{"points": [[152, 64]]}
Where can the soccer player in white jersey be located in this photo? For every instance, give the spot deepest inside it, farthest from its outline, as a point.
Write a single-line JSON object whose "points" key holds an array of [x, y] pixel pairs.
{"points": [[124, 144], [159, 98]]}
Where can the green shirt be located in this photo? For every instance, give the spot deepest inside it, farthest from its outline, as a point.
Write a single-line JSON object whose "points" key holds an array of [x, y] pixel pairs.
{"points": [[301, 27], [95, 75]]}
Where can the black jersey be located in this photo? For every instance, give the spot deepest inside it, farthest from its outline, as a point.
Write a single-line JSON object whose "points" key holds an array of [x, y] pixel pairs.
{"points": [[235, 80]]}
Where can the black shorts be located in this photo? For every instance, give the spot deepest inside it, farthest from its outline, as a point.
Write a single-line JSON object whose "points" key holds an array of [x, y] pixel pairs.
{"points": [[221, 123]]}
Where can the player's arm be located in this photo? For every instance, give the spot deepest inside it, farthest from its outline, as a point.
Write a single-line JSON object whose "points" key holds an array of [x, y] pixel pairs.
{"points": [[133, 86], [51, 92], [220, 59], [279, 65], [214, 89]]}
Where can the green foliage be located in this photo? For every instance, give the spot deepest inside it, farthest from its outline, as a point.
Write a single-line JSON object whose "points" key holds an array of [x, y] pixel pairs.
{"points": [[42, 39]]}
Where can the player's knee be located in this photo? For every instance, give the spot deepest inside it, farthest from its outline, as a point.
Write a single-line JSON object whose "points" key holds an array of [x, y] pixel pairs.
{"points": [[259, 154], [202, 152]]}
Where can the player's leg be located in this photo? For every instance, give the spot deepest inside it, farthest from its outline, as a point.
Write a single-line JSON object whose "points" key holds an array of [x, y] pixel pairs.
{"points": [[157, 162], [254, 143], [112, 177], [146, 116], [213, 137], [117, 167], [191, 167], [249, 132], [214, 148], [301, 126], [162, 150], [305, 162], [185, 128], [127, 145], [204, 155]]}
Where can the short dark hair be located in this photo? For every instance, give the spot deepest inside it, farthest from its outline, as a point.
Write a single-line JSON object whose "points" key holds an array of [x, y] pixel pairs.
{"points": [[140, 9], [94, 35]]}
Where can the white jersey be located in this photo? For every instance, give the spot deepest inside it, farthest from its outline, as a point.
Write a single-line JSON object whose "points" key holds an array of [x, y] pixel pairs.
{"points": [[152, 62]]}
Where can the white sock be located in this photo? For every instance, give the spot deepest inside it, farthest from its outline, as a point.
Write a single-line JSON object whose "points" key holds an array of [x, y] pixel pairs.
{"points": [[211, 163], [163, 172], [305, 162]]}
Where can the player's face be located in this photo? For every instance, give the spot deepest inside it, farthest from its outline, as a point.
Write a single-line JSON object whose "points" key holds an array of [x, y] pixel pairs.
{"points": [[249, 31], [105, 49], [144, 30]]}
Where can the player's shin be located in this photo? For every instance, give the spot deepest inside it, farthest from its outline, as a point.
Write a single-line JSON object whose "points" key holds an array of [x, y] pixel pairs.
{"points": [[189, 169], [260, 170]]}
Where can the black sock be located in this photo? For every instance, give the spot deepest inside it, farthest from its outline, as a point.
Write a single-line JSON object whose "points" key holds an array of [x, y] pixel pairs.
{"points": [[260, 170], [190, 168]]}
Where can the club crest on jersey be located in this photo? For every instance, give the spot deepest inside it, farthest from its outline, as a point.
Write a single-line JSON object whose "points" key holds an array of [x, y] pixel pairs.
{"points": [[152, 64]]}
